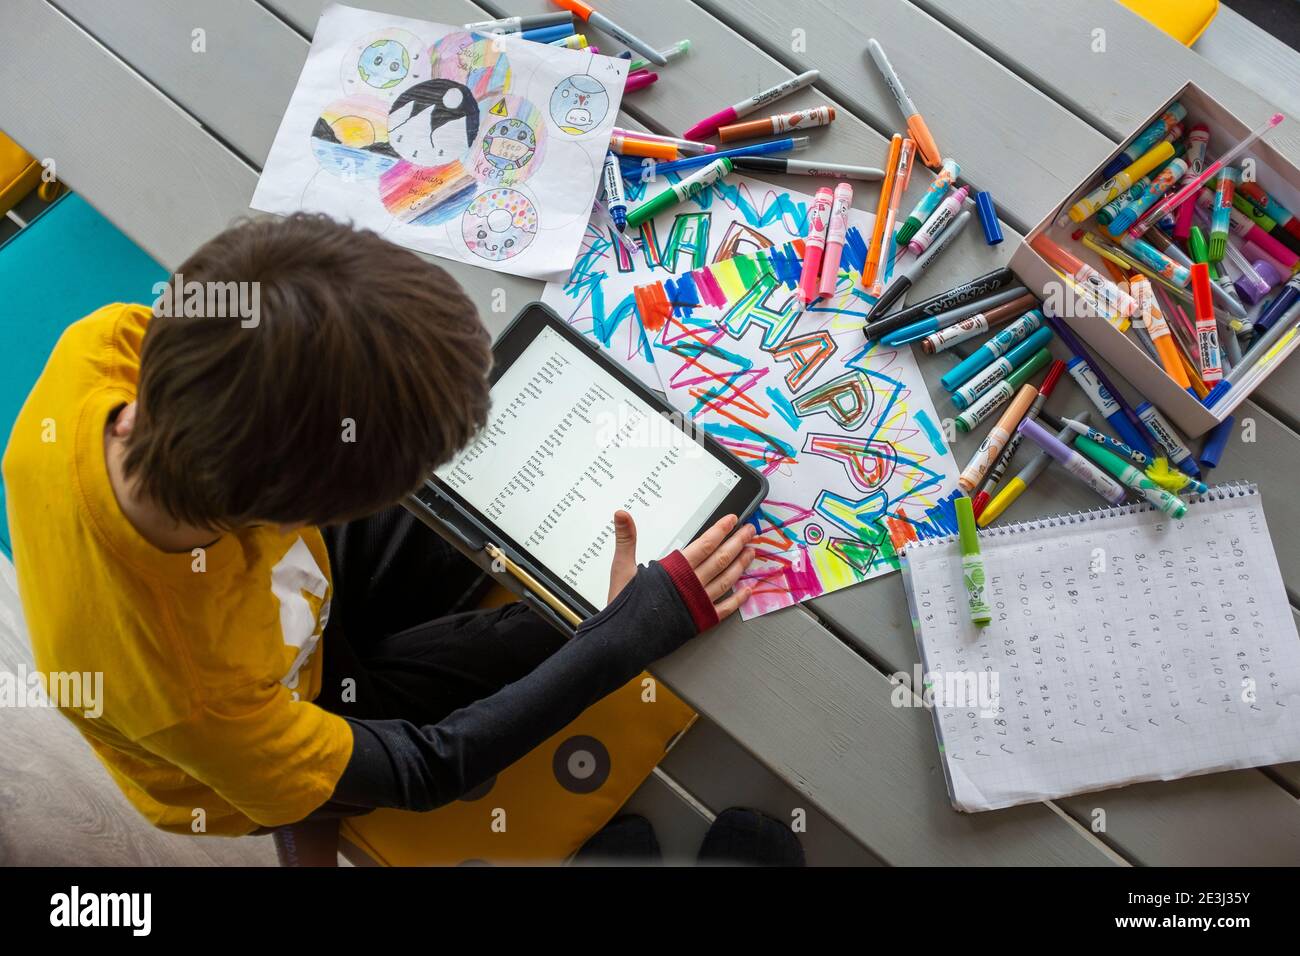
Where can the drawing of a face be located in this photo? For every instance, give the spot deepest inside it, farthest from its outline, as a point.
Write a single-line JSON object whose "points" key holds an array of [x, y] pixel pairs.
{"points": [[433, 123], [499, 223], [384, 64], [579, 104]]}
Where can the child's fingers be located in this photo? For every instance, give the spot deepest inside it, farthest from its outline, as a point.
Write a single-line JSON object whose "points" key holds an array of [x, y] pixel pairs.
{"points": [[707, 543], [727, 607], [718, 562], [725, 581]]}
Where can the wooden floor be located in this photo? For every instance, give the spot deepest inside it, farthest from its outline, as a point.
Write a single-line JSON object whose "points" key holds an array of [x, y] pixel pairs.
{"points": [[796, 703]]}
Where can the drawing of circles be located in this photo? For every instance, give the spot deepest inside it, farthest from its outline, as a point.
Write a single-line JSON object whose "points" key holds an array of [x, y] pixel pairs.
{"points": [[579, 104], [813, 533], [581, 764], [350, 138], [511, 143], [479, 792], [380, 62], [477, 61], [499, 224]]}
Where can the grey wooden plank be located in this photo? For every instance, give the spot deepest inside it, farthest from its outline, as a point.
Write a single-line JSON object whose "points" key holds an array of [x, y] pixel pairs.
{"points": [[61, 808], [1115, 89], [99, 101], [1001, 129], [166, 55], [715, 770], [795, 647], [1254, 58]]}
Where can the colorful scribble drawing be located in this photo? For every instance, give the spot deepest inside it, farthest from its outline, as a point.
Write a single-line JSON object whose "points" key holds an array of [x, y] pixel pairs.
{"points": [[838, 426], [448, 141], [703, 310]]}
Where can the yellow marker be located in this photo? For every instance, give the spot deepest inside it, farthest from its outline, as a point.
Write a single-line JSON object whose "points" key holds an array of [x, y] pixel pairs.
{"points": [[1014, 488], [533, 585], [1121, 181]]}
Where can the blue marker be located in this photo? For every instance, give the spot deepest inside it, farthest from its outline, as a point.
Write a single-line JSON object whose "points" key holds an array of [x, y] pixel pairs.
{"points": [[1106, 403], [988, 306], [615, 197], [789, 144], [547, 34], [998, 345]]}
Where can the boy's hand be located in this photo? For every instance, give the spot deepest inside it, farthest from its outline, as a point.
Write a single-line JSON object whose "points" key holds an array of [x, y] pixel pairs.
{"points": [[717, 560]]}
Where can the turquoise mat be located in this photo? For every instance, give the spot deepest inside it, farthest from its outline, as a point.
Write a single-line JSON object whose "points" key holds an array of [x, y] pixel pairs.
{"points": [[67, 263]]}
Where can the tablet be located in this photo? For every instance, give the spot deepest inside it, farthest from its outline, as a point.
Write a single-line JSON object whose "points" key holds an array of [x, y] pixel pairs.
{"points": [[571, 438]]}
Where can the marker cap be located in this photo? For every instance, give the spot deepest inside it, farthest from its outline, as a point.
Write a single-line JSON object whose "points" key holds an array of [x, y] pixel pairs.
{"points": [[1215, 443], [970, 542], [988, 218]]}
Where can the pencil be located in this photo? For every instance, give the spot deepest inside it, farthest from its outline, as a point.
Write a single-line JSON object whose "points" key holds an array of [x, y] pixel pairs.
{"points": [[882, 208]]}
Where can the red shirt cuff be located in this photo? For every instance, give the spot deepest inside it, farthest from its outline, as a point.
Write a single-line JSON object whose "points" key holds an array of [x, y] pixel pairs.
{"points": [[691, 590]]}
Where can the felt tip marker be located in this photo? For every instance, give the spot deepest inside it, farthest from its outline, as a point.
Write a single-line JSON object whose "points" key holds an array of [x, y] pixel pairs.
{"points": [[1014, 488], [912, 274], [547, 34], [996, 439], [615, 198], [999, 468], [1207, 330], [993, 311], [972, 564], [508, 25], [674, 52], [1073, 462], [790, 144], [929, 202], [876, 246], [710, 124], [976, 288], [803, 167], [998, 345], [777, 123], [999, 394], [1135, 478], [603, 23], [679, 192], [639, 80], [916, 127], [1101, 438], [1166, 437], [947, 210], [1000, 368], [819, 218], [902, 176], [835, 234]]}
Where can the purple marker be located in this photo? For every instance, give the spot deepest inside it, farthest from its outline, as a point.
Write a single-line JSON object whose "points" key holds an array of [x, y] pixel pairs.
{"points": [[1073, 462]]}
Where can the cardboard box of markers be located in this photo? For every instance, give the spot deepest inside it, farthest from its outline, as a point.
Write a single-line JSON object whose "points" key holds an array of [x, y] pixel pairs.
{"points": [[1114, 340]]}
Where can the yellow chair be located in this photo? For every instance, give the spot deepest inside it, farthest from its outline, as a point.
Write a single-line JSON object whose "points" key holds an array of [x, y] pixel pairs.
{"points": [[545, 806], [1184, 20], [20, 173]]}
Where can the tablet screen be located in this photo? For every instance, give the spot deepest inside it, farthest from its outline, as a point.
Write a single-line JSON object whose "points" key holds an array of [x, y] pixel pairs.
{"points": [[565, 446]]}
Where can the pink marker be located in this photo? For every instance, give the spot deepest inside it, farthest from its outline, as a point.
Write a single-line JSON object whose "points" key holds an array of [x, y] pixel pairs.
{"points": [[1245, 228], [814, 245], [1198, 140], [835, 238], [940, 218], [639, 80], [709, 126]]}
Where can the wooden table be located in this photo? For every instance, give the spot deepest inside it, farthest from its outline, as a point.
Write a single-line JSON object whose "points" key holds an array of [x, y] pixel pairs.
{"points": [[168, 143]]}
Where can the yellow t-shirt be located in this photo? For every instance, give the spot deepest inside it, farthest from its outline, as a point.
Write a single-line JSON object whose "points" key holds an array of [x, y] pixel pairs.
{"points": [[209, 659]]}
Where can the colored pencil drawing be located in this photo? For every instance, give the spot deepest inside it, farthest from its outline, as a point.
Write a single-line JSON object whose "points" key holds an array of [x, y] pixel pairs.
{"points": [[472, 146], [843, 430]]}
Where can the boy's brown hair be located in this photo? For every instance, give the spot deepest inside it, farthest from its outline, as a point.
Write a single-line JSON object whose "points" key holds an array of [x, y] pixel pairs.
{"points": [[365, 369]]}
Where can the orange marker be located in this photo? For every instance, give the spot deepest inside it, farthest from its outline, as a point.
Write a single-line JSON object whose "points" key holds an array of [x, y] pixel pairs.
{"points": [[882, 209], [915, 122], [632, 146], [779, 123]]}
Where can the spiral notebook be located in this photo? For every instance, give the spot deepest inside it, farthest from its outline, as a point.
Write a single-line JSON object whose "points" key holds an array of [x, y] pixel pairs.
{"points": [[1125, 646]]}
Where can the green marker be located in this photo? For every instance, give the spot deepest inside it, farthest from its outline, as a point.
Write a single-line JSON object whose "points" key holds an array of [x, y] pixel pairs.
{"points": [[677, 50], [1165, 500], [972, 564], [679, 192], [991, 400]]}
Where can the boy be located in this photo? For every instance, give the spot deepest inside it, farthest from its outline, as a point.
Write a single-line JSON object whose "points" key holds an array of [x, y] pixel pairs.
{"points": [[166, 481]]}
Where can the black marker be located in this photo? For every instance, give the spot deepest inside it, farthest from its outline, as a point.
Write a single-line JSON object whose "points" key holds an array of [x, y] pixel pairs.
{"points": [[914, 272], [966, 292]]}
